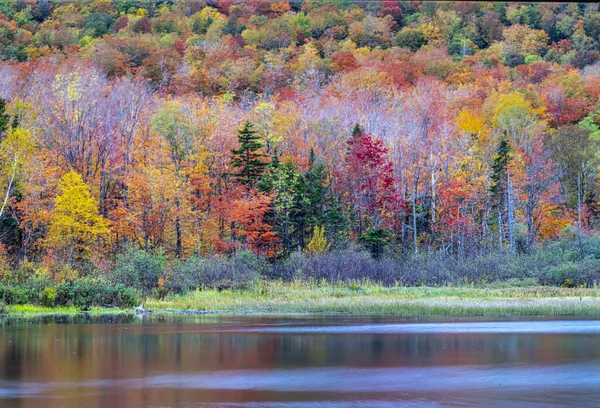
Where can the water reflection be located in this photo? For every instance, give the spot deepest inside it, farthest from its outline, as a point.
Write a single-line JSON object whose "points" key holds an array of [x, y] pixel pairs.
{"points": [[276, 361]]}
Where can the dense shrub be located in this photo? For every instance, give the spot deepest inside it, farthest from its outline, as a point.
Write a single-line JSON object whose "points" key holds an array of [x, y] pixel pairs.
{"points": [[83, 293], [557, 264], [139, 269], [48, 296], [216, 272], [340, 266]]}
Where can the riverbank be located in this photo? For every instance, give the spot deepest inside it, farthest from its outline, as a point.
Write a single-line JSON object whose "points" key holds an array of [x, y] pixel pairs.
{"points": [[365, 298], [302, 297]]}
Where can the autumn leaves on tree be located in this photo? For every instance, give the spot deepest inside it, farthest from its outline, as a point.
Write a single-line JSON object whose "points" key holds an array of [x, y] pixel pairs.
{"points": [[203, 130], [370, 190]]}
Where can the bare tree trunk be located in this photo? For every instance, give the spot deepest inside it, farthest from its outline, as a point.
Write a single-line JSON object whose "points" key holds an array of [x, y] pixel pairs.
{"points": [[199, 233], [510, 213], [500, 227], [10, 187], [414, 210], [433, 185], [70, 262], [579, 204], [579, 241], [178, 249]]}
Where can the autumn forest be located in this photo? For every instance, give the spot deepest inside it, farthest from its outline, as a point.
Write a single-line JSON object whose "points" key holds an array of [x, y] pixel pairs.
{"points": [[173, 144]]}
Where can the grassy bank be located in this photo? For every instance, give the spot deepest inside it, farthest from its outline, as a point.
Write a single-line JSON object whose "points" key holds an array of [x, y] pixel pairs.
{"points": [[38, 310], [367, 298], [301, 297]]}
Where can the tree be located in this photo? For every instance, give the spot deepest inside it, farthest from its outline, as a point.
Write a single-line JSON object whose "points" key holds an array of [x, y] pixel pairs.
{"points": [[409, 38], [76, 224], [318, 243], [369, 182], [523, 40], [15, 151], [323, 207], [4, 118], [376, 240], [501, 191], [537, 188], [289, 205], [247, 159], [249, 229], [180, 136], [574, 152]]}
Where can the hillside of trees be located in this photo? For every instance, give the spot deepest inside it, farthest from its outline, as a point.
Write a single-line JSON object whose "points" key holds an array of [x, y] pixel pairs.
{"points": [[286, 131]]}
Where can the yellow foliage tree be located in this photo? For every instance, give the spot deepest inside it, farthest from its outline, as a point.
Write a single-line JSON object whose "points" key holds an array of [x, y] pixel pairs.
{"points": [[75, 224], [318, 243], [470, 122]]}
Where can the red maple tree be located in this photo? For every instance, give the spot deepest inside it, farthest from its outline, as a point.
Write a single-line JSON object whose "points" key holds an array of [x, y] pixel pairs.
{"points": [[369, 182]]}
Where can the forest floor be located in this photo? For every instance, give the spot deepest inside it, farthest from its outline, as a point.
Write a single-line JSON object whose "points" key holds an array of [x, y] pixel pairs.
{"points": [[367, 299]]}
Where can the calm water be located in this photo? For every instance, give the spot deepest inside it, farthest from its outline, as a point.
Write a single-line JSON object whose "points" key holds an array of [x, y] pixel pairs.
{"points": [[212, 361]]}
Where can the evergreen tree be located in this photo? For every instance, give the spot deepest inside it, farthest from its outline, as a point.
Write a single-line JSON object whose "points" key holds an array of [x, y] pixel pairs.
{"points": [[248, 159], [499, 169], [375, 240], [289, 205], [265, 184], [317, 190], [323, 206], [4, 118], [302, 202], [501, 192]]}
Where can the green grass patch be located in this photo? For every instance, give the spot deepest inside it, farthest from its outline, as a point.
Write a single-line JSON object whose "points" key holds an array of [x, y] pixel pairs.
{"points": [[370, 298], [29, 309], [366, 298]]}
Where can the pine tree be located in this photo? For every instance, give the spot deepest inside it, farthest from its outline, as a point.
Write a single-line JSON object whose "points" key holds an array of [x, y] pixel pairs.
{"points": [[4, 118], [289, 205], [499, 169], [501, 191], [265, 184], [248, 159], [317, 191], [323, 206]]}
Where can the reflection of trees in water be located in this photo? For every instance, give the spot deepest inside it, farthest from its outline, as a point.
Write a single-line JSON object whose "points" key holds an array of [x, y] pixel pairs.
{"points": [[78, 348]]}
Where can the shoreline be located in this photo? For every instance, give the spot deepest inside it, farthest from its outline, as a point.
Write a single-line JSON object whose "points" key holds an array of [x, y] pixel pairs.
{"points": [[367, 299]]}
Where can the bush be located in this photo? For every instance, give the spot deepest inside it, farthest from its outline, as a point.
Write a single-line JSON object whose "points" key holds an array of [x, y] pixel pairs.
{"points": [[340, 266], [139, 270], [16, 295], [572, 274], [48, 296], [563, 263], [556, 264], [85, 293], [233, 272]]}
